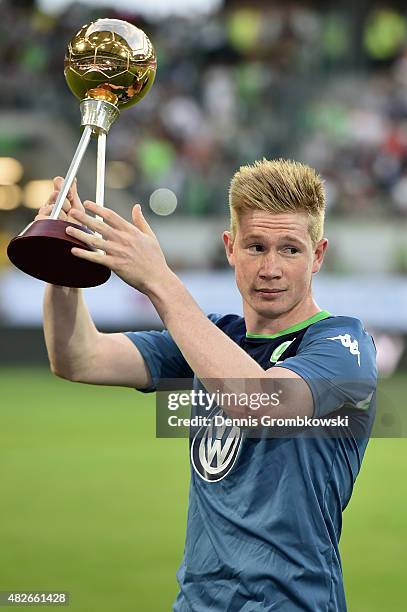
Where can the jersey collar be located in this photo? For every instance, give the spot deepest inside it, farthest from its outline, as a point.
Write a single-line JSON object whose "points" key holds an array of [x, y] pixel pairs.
{"points": [[322, 314]]}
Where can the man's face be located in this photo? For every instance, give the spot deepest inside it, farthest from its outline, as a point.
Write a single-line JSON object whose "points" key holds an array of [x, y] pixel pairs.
{"points": [[274, 260]]}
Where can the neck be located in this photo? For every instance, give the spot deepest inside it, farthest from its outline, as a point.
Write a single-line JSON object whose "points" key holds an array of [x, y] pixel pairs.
{"points": [[257, 324]]}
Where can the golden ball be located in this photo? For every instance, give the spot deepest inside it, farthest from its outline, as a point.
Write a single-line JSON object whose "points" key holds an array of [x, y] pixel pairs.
{"points": [[112, 57]]}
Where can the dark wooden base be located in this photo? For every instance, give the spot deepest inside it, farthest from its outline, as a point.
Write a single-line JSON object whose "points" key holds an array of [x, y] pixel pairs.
{"points": [[43, 250]]}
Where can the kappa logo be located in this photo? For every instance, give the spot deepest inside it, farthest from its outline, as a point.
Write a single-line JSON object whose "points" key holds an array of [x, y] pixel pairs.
{"points": [[214, 450], [350, 344], [279, 350]]}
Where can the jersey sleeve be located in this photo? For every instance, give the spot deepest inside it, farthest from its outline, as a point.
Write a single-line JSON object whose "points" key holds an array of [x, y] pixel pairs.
{"points": [[337, 359], [161, 355]]}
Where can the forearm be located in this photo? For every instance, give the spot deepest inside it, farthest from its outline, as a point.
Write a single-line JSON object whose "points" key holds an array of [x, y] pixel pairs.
{"points": [[70, 334], [210, 353]]}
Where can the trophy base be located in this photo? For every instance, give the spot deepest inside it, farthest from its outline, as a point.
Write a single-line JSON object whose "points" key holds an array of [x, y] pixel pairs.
{"points": [[43, 250]]}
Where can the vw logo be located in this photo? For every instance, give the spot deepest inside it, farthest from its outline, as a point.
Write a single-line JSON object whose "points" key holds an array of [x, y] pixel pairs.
{"points": [[214, 450]]}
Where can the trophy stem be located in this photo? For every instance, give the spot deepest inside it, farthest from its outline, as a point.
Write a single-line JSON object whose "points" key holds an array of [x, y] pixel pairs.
{"points": [[100, 169], [73, 169], [100, 173]]}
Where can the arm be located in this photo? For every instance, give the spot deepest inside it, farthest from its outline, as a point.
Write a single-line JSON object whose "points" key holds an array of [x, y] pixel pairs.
{"points": [[77, 351], [211, 355]]}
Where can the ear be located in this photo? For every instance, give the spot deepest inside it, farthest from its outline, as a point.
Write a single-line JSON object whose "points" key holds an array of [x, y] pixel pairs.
{"points": [[229, 242], [319, 253]]}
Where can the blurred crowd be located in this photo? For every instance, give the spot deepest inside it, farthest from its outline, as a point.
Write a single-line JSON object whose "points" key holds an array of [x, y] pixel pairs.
{"points": [[357, 138], [255, 79]]}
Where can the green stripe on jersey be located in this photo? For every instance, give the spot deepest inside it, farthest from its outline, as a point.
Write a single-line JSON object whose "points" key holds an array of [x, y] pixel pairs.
{"points": [[322, 314]]}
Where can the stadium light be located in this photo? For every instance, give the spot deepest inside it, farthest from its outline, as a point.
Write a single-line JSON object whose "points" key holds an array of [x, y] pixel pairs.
{"points": [[11, 171], [10, 197], [163, 201], [119, 174], [36, 193]]}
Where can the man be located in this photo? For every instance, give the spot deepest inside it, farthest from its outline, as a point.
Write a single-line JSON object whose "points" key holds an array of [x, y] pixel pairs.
{"points": [[265, 512]]}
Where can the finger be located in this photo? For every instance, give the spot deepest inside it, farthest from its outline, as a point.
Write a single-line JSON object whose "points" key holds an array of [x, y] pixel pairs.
{"points": [[66, 206], [40, 217], [72, 195], [45, 211], [94, 256], [140, 222], [90, 239], [75, 199], [52, 197], [58, 182], [91, 223], [108, 215]]}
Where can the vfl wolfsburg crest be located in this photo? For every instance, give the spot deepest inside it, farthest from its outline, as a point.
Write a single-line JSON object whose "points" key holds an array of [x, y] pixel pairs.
{"points": [[276, 354], [214, 450]]}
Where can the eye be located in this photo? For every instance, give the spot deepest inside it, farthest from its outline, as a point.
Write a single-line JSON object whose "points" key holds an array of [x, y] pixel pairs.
{"points": [[291, 250], [256, 248]]}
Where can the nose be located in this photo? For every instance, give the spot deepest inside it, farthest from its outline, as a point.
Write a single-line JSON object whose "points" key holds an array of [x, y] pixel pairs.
{"points": [[270, 268]]}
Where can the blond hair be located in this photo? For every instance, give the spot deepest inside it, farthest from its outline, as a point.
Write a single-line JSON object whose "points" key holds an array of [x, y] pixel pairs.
{"points": [[278, 186]]}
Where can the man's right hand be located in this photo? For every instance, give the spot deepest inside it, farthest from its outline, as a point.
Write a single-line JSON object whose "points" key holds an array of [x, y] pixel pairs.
{"points": [[71, 201]]}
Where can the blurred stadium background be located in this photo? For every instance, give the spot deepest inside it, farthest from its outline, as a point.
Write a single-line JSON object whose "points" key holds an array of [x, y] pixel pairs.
{"points": [[92, 502]]}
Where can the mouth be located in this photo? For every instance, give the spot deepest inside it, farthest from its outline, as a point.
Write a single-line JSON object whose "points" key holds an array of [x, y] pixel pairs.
{"points": [[266, 292]]}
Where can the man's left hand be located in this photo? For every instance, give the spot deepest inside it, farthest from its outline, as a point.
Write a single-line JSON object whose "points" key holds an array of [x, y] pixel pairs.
{"points": [[131, 250]]}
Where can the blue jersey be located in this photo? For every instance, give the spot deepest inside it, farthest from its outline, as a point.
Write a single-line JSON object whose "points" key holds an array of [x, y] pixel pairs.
{"points": [[263, 531]]}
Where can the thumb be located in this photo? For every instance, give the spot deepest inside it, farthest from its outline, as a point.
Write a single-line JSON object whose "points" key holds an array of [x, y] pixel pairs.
{"points": [[140, 222]]}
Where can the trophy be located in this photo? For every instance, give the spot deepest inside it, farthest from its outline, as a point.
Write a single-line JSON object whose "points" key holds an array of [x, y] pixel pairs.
{"points": [[109, 65]]}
